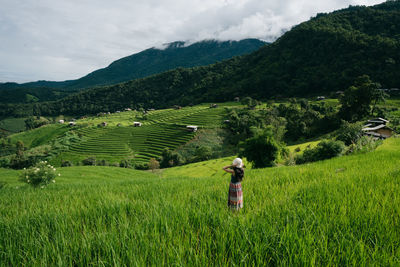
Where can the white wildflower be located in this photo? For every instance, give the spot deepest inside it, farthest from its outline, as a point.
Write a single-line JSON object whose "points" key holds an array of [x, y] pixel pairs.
{"points": [[54, 181], [27, 176], [59, 174], [28, 181], [42, 186], [24, 168]]}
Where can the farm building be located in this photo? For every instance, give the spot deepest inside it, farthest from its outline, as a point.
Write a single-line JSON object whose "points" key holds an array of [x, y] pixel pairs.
{"points": [[226, 121], [320, 97], [380, 131], [72, 123], [377, 121], [213, 106], [191, 128], [137, 124], [128, 109], [61, 121]]}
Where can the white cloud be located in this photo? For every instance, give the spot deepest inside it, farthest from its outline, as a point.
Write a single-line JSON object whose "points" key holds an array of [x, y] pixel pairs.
{"points": [[59, 40]]}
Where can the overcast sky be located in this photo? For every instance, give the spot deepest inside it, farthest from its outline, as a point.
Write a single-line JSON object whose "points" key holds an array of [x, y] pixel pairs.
{"points": [[67, 39]]}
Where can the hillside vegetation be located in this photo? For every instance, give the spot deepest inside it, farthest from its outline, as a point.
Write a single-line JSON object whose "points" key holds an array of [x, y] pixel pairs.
{"points": [[118, 140], [148, 62], [322, 55], [343, 211]]}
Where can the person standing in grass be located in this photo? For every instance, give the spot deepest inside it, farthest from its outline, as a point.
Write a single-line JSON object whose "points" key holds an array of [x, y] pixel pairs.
{"points": [[235, 197]]}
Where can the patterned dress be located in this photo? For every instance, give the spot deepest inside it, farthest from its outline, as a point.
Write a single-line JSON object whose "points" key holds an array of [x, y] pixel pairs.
{"points": [[235, 197]]}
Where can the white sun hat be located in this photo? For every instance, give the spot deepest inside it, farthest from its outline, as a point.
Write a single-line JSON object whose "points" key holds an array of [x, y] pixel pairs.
{"points": [[237, 163]]}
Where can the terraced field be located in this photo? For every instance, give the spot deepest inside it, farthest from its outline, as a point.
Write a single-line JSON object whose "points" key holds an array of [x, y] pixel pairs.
{"points": [[139, 143], [161, 129]]}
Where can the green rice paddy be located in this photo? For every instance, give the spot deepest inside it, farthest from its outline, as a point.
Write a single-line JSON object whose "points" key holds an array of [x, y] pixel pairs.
{"points": [[343, 211]]}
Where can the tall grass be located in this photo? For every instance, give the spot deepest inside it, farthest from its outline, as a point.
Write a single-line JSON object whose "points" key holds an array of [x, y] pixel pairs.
{"points": [[343, 211]]}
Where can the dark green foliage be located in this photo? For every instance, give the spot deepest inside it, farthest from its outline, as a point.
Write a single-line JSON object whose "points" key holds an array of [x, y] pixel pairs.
{"points": [[242, 123], [125, 164], [326, 149], [143, 64], [142, 166], [34, 122], [349, 133], [261, 150], [202, 153], [169, 159], [66, 163], [357, 99], [103, 162], [91, 161]]}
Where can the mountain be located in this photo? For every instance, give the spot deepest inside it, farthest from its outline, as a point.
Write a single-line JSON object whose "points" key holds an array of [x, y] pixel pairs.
{"points": [[143, 64], [322, 55]]}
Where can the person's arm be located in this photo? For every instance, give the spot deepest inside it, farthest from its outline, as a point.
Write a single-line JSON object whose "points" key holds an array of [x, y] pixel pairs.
{"points": [[227, 169]]}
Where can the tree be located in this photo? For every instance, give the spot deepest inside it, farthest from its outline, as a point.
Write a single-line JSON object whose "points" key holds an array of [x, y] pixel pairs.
{"points": [[357, 99], [261, 150], [203, 153], [169, 158], [153, 164], [349, 133]]}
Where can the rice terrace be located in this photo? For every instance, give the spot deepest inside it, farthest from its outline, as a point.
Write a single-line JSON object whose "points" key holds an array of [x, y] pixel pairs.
{"points": [[211, 153]]}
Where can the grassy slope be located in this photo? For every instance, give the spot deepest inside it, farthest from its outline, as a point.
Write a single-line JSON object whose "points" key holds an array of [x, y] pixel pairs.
{"points": [[343, 211], [40, 136], [13, 125]]}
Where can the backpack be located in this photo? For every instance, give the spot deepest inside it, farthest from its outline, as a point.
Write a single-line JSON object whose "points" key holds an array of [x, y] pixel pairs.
{"points": [[239, 173]]}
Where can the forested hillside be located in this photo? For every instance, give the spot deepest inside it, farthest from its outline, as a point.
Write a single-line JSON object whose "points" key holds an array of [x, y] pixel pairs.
{"points": [[322, 55], [143, 64]]}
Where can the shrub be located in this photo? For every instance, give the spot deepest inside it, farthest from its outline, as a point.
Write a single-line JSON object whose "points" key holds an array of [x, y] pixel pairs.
{"points": [[103, 162], [141, 166], [261, 150], [326, 149], [89, 161], [66, 163], [349, 133], [364, 144], [40, 175], [169, 158], [125, 164]]}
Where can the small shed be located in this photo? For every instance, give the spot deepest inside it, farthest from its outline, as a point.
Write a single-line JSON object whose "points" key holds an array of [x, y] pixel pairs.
{"points": [[226, 121], [61, 121], [128, 109], [319, 98], [137, 124], [380, 131], [191, 128]]}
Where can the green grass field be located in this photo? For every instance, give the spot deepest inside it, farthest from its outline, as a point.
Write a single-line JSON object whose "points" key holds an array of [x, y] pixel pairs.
{"points": [[343, 211], [13, 125]]}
